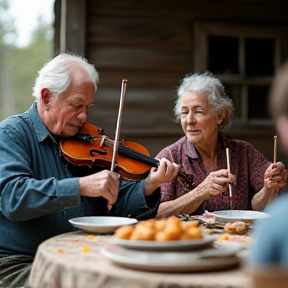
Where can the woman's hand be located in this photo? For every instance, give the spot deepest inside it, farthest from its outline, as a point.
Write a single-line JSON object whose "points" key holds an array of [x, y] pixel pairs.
{"points": [[275, 176], [217, 181]]}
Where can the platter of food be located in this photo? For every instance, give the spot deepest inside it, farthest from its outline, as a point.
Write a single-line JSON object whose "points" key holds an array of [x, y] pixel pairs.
{"points": [[190, 244], [173, 261], [101, 225], [233, 215], [162, 235]]}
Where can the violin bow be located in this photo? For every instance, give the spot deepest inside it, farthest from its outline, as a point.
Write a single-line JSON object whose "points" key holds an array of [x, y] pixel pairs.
{"points": [[117, 133]]}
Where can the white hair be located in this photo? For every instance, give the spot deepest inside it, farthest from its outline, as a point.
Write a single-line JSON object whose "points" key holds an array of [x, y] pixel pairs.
{"points": [[56, 74], [212, 88]]}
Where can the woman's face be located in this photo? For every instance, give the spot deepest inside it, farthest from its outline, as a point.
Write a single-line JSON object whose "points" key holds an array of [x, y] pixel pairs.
{"points": [[198, 120]]}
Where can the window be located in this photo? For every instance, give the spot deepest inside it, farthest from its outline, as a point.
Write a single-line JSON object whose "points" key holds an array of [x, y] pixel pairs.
{"points": [[245, 58]]}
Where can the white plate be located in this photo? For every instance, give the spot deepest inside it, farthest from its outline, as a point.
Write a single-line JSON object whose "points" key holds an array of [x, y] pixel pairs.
{"points": [[177, 261], [193, 244], [101, 225], [233, 215]]}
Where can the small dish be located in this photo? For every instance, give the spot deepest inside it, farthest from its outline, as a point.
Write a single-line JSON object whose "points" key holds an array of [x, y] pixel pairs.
{"points": [[233, 215], [101, 225]]}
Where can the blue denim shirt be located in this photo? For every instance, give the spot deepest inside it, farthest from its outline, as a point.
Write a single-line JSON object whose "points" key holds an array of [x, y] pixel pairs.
{"points": [[270, 245], [39, 192]]}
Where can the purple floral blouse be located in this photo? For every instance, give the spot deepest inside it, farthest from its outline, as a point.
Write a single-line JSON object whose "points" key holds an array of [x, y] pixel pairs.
{"points": [[247, 164]]}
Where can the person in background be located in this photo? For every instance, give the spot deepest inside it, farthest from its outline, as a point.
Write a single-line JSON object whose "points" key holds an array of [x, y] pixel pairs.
{"points": [[204, 110], [269, 252], [39, 190]]}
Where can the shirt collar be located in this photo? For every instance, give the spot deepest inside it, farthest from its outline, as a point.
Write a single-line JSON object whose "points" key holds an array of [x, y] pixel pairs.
{"points": [[191, 151], [39, 127]]}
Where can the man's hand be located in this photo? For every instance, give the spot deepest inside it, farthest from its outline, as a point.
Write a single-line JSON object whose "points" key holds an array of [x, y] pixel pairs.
{"points": [[104, 183], [165, 172]]}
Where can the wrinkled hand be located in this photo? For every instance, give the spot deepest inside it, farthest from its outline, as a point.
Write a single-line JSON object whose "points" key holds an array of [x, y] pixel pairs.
{"points": [[275, 176], [217, 181], [165, 172], [104, 183]]}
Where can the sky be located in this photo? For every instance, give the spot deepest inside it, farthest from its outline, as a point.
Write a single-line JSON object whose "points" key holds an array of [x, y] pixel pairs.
{"points": [[25, 14]]}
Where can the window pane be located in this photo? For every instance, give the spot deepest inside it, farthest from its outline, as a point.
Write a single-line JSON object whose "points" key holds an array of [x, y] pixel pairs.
{"points": [[223, 55], [234, 92], [259, 60], [258, 102]]}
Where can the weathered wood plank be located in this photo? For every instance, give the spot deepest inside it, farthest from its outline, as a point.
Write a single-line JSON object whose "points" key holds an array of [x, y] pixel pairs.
{"points": [[139, 59], [76, 29], [159, 99], [140, 80], [236, 10], [136, 122], [135, 32]]}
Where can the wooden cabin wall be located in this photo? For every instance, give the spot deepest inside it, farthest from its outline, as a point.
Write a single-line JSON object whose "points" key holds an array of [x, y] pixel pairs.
{"points": [[151, 44]]}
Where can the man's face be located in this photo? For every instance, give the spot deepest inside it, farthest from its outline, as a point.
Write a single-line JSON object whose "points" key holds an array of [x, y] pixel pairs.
{"points": [[68, 112]]}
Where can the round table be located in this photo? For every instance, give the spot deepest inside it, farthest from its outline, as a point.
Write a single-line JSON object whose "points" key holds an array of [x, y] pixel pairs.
{"points": [[74, 260]]}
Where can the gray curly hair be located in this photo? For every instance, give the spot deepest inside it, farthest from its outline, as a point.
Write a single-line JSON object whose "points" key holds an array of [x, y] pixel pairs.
{"points": [[210, 86]]}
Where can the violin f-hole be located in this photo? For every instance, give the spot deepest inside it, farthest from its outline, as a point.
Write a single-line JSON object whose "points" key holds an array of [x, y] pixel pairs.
{"points": [[92, 151]]}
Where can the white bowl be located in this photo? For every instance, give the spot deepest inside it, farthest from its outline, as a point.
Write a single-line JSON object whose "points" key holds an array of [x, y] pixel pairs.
{"points": [[101, 225]]}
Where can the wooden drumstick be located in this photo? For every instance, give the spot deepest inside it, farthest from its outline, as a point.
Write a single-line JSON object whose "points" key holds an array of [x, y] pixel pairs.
{"points": [[229, 185], [274, 161], [275, 149]]}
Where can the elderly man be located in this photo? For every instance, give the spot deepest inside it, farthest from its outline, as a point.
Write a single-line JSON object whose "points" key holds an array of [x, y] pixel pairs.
{"points": [[40, 191]]}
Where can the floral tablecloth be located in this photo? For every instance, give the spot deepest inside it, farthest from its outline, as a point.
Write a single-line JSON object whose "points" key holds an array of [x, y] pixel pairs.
{"points": [[73, 260]]}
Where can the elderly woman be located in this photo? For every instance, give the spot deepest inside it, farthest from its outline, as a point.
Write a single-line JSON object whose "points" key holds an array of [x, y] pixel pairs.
{"points": [[203, 109]]}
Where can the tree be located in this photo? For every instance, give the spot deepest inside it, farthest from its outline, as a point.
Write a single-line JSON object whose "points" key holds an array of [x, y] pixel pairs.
{"points": [[27, 61], [7, 36], [19, 65]]}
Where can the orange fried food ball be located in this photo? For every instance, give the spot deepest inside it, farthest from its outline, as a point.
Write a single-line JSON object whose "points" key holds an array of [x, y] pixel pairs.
{"points": [[173, 221], [174, 232], [160, 225], [160, 230], [164, 236], [148, 223], [194, 233], [173, 228], [141, 232], [124, 232], [191, 224]]}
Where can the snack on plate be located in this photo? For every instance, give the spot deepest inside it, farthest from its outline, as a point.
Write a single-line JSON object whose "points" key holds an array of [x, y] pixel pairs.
{"points": [[237, 227], [160, 230], [242, 240]]}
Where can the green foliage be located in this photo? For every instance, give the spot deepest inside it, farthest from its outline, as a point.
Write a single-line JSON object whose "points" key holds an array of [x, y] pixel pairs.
{"points": [[19, 65]]}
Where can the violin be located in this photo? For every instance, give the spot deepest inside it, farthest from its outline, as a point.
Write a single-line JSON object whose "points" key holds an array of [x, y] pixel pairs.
{"points": [[91, 147]]}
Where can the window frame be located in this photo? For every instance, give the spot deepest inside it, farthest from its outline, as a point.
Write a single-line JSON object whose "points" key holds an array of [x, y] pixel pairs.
{"points": [[202, 31]]}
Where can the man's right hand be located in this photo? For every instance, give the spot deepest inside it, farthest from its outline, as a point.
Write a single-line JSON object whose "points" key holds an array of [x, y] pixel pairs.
{"points": [[104, 183]]}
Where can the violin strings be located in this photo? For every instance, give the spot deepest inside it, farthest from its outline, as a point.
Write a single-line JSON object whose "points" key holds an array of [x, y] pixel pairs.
{"points": [[135, 155], [130, 153]]}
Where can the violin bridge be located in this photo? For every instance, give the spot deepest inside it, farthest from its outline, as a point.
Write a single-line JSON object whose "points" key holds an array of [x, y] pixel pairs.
{"points": [[103, 140]]}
